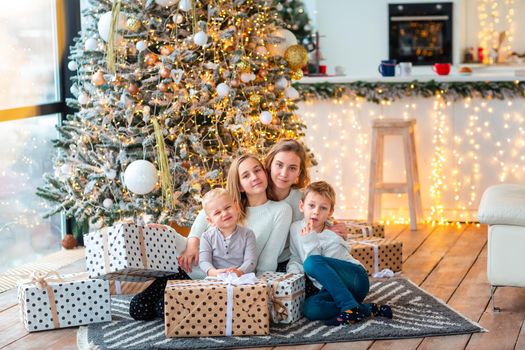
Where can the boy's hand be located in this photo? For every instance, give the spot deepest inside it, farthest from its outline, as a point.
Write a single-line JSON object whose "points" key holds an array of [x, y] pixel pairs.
{"points": [[190, 256], [339, 228], [309, 227], [235, 270]]}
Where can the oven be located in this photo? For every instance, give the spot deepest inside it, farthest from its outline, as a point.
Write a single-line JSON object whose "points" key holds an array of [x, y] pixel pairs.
{"points": [[420, 33]]}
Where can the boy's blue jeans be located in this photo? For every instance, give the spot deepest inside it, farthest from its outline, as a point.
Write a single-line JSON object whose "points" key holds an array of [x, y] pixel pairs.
{"points": [[345, 286]]}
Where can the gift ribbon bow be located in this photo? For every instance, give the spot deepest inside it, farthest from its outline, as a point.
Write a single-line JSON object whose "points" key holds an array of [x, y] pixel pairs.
{"points": [[281, 311]]}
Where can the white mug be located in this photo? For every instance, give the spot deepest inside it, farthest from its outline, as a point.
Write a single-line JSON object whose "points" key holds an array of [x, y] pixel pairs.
{"points": [[339, 70], [405, 69]]}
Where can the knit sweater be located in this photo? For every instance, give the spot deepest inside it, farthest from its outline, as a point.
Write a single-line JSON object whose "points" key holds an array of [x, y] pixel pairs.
{"points": [[293, 199], [269, 221], [326, 243]]}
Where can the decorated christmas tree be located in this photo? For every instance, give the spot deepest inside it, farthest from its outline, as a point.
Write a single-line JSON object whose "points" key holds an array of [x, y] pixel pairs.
{"points": [[295, 18], [168, 92]]}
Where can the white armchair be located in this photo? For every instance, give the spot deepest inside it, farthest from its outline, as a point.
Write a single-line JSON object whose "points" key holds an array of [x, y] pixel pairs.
{"points": [[502, 207]]}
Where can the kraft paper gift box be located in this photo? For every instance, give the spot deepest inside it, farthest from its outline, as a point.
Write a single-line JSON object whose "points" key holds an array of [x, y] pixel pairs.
{"points": [[377, 254], [214, 307], [130, 252], [287, 294], [54, 301], [360, 228]]}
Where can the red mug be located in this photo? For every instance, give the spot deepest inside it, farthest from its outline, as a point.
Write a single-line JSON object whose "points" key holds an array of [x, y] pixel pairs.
{"points": [[441, 68]]}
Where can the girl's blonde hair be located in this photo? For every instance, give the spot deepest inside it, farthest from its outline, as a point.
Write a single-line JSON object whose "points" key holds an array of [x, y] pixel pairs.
{"points": [[212, 196], [233, 183], [287, 145]]}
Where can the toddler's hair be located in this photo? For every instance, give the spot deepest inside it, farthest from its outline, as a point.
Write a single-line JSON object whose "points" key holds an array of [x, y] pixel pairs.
{"points": [[212, 195], [322, 188]]}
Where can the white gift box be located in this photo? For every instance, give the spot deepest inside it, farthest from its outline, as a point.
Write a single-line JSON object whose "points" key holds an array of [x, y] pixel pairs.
{"points": [[63, 301], [287, 294], [131, 252]]}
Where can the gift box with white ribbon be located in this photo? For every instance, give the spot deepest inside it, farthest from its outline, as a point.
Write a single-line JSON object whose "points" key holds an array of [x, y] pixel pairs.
{"points": [[287, 296], [130, 252], [377, 254], [224, 306], [360, 228], [49, 301]]}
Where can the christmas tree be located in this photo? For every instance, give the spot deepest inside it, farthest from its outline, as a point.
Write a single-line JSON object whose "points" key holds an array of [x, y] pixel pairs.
{"points": [[295, 19], [168, 92]]}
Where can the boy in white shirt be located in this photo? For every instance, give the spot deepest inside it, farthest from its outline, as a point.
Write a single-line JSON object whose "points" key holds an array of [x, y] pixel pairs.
{"points": [[226, 246], [324, 257]]}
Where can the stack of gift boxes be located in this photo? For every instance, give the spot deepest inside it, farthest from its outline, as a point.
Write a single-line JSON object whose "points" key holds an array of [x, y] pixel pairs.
{"points": [[121, 257], [367, 243]]}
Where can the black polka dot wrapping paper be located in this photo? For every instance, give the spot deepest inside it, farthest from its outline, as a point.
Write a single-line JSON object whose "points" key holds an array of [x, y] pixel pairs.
{"points": [[64, 301]]}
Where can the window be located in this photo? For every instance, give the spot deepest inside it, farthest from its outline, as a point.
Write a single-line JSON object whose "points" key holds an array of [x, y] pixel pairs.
{"points": [[34, 36]]}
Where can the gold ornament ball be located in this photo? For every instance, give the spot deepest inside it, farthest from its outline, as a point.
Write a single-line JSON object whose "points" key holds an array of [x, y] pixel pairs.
{"points": [[297, 74], [162, 87], [255, 99], [243, 66], [133, 24], [296, 56], [98, 78], [234, 83]]}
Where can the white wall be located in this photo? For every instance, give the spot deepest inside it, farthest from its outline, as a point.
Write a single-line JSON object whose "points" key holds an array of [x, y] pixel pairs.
{"points": [[356, 31]]}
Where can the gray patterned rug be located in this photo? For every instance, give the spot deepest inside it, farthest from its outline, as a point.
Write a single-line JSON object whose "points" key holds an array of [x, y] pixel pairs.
{"points": [[416, 314]]}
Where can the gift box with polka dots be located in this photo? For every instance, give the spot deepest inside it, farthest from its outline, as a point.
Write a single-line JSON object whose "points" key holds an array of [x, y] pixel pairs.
{"points": [[389, 253], [130, 252], [287, 293], [67, 301], [200, 309], [361, 228]]}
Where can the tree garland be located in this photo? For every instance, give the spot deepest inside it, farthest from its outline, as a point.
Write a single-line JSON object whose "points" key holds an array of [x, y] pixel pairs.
{"points": [[384, 92]]}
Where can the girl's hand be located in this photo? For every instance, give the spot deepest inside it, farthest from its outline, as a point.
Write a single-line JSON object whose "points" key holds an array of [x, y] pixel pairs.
{"points": [[191, 255], [235, 270], [339, 228]]}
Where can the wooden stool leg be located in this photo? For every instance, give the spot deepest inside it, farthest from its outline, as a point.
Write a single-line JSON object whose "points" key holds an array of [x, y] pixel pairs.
{"points": [[415, 174], [409, 159], [376, 174]]}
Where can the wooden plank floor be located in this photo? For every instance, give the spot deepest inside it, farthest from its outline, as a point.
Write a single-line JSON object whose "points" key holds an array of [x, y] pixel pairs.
{"points": [[447, 261]]}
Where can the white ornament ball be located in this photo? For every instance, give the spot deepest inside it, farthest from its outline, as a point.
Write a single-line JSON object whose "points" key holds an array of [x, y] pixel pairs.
{"points": [[281, 83], [104, 24], [146, 110], [246, 77], [252, 76], [140, 177], [223, 90], [279, 7], [291, 93], [83, 98], [107, 203], [166, 2], [91, 44], [265, 117], [185, 5], [141, 45], [178, 18], [72, 66], [200, 38], [287, 39]]}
